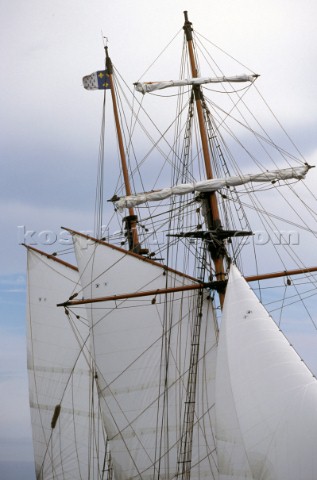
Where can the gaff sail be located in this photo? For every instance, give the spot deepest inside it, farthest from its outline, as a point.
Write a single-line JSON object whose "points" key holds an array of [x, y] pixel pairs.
{"points": [[68, 436], [142, 349]]}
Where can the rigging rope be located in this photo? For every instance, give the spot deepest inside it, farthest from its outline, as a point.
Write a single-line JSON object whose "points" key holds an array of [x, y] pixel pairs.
{"points": [[99, 198]]}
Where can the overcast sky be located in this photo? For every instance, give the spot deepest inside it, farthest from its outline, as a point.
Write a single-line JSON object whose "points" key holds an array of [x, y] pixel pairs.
{"points": [[50, 127]]}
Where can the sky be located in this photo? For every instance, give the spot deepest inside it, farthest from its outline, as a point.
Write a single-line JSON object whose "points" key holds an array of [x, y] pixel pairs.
{"points": [[50, 126]]}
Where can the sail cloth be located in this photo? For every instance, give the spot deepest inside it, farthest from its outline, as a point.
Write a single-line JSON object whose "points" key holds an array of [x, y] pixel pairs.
{"points": [[142, 351], [60, 376], [211, 186], [266, 397], [148, 87], [97, 81]]}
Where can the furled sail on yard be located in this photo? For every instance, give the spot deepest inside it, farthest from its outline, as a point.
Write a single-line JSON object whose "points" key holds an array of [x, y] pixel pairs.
{"points": [[147, 87], [212, 185], [68, 437]]}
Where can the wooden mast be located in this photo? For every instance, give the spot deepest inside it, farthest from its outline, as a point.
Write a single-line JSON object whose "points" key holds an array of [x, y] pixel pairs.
{"points": [[215, 221], [131, 219]]}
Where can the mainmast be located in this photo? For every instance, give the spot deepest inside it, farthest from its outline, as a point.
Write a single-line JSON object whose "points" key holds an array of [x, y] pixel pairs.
{"points": [[214, 221], [132, 219]]}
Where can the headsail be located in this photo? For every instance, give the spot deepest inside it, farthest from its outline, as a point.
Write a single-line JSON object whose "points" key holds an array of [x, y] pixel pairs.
{"points": [[266, 398], [68, 436]]}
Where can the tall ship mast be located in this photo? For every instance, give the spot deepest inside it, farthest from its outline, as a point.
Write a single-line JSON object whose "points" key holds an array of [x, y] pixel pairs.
{"points": [[160, 352]]}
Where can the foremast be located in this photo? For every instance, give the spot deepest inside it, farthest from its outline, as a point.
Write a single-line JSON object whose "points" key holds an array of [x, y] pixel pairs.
{"points": [[131, 220]]}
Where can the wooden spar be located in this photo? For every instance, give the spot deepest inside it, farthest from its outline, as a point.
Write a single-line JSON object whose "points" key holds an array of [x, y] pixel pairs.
{"points": [[214, 210], [131, 226], [125, 296], [198, 286], [285, 273], [52, 257], [118, 128]]}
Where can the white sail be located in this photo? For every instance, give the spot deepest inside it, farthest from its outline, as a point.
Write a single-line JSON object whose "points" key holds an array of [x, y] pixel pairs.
{"points": [[212, 185], [141, 348], [147, 87], [266, 398], [60, 378]]}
